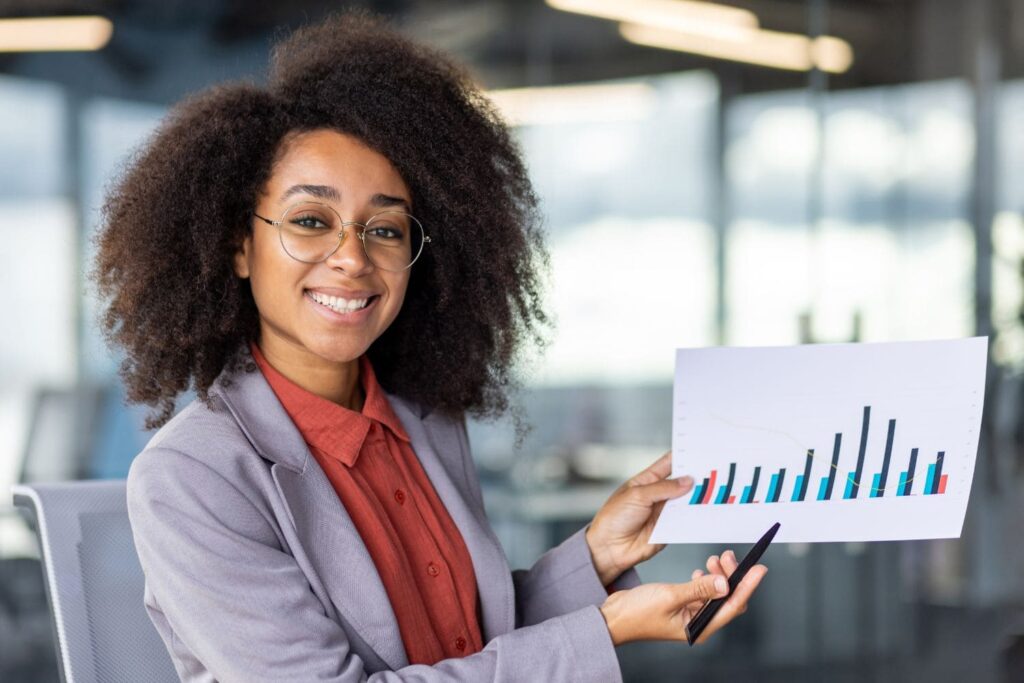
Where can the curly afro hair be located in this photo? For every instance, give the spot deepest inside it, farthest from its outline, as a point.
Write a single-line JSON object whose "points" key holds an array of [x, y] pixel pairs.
{"points": [[174, 219]]}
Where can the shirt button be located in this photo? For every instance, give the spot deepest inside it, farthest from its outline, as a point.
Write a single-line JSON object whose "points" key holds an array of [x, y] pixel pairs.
{"points": [[432, 569], [400, 496], [460, 643]]}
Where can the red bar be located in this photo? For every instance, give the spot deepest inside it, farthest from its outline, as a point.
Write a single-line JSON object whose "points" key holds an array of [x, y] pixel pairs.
{"points": [[711, 487], [942, 483], [732, 499]]}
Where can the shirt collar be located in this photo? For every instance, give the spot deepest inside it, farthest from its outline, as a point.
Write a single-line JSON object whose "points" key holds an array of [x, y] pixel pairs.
{"points": [[337, 431]]}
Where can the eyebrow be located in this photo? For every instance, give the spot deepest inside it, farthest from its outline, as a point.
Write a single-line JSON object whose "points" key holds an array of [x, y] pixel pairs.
{"points": [[331, 194]]}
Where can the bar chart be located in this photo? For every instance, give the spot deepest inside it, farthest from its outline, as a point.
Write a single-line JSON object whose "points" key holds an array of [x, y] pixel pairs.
{"points": [[934, 484], [838, 442]]}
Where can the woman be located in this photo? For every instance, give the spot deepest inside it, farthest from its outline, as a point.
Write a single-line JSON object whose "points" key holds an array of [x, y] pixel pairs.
{"points": [[343, 265]]}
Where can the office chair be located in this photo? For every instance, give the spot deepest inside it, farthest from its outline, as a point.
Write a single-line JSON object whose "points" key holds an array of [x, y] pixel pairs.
{"points": [[94, 583]]}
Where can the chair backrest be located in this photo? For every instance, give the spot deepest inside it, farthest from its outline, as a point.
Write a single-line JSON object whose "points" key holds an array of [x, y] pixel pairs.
{"points": [[94, 583]]}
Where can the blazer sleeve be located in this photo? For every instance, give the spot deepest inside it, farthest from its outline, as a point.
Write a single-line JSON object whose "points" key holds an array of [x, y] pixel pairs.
{"points": [[564, 579], [232, 605]]}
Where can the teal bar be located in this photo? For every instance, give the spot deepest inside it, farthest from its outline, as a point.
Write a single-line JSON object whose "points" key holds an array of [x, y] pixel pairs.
{"points": [[697, 493], [771, 488], [796, 489], [721, 494], [875, 493], [903, 484], [746, 495], [823, 488], [928, 481], [849, 486]]}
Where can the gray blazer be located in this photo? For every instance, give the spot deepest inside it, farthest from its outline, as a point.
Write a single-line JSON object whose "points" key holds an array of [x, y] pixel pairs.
{"points": [[255, 572]]}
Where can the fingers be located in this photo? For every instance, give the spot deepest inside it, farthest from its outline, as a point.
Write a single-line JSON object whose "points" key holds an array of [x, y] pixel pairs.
{"points": [[701, 588], [728, 562], [737, 602], [725, 564], [650, 494], [656, 472]]}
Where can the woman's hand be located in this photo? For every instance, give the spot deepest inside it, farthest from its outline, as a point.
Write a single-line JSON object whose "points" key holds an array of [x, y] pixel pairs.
{"points": [[661, 611], [618, 535]]}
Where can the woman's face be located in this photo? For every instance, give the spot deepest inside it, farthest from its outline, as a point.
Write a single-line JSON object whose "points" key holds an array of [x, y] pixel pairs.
{"points": [[338, 170]]}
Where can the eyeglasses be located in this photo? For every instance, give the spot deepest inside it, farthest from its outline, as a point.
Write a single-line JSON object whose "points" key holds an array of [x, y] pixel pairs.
{"points": [[310, 232]]}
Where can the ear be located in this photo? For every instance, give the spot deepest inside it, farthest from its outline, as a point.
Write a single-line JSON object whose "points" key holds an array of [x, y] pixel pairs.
{"points": [[241, 260]]}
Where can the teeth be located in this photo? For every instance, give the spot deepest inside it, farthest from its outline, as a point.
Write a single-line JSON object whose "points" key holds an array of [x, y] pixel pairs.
{"points": [[338, 304]]}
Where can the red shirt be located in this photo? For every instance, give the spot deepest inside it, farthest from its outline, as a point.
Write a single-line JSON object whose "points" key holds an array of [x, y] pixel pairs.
{"points": [[416, 547]]}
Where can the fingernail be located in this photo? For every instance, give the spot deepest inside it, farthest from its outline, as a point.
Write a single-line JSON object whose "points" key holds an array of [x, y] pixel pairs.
{"points": [[721, 585], [685, 481]]}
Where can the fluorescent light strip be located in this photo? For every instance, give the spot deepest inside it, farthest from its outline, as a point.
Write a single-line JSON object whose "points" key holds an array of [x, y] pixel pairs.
{"points": [[680, 15], [46, 34], [791, 51], [564, 104]]}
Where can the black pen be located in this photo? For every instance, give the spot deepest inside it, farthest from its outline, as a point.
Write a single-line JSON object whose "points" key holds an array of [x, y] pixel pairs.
{"points": [[711, 607]]}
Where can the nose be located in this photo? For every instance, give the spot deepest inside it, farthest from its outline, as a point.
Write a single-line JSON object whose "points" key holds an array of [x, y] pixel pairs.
{"points": [[350, 256]]}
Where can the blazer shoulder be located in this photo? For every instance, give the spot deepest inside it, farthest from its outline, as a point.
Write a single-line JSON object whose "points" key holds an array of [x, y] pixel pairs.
{"points": [[201, 438], [201, 462]]}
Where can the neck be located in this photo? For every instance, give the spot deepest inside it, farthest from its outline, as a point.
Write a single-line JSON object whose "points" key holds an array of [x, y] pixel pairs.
{"points": [[336, 381]]}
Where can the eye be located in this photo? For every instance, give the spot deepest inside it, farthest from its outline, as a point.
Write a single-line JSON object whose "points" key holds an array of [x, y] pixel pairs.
{"points": [[309, 221], [385, 232]]}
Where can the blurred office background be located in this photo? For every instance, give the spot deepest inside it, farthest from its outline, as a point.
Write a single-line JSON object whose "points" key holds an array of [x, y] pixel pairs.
{"points": [[789, 171]]}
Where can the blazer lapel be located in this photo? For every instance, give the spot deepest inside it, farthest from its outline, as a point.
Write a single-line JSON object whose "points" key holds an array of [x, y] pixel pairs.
{"points": [[324, 528], [439, 449]]}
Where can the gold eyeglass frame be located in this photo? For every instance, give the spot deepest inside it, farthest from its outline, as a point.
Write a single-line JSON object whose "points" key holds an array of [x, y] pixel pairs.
{"points": [[341, 235]]}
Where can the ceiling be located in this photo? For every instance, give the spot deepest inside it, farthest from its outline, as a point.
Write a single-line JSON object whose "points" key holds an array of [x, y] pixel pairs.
{"points": [[162, 49]]}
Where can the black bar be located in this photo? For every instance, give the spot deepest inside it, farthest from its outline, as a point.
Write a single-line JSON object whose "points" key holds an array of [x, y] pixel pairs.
{"points": [[885, 460], [807, 474], [910, 472], [703, 489], [938, 472], [863, 447], [778, 485], [835, 467], [728, 484], [753, 484]]}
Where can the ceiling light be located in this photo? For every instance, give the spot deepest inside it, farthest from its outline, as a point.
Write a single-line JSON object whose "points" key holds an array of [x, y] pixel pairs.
{"points": [[564, 104], [791, 51], [45, 34], [680, 15]]}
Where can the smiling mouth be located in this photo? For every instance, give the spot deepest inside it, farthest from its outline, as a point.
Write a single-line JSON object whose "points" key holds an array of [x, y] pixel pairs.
{"points": [[340, 305]]}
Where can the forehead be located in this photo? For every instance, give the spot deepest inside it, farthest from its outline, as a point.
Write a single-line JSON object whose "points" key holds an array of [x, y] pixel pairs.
{"points": [[327, 157]]}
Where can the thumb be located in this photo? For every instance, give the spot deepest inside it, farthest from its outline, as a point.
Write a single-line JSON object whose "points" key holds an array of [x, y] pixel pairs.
{"points": [[664, 489], [702, 588]]}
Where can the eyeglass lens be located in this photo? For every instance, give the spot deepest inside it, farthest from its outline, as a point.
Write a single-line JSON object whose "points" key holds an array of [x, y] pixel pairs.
{"points": [[311, 232]]}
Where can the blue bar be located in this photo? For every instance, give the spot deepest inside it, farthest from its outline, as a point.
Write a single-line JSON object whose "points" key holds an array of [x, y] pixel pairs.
{"points": [[937, 477], [910, 471], [823, 489], [722, 490], [835, 467], [849, 486], [879, 487], [928, 481], [697, 493], [797, 489], [753, 484], [746, 495], [771, 489], [876, 489], [859, 472], [902, 485]]}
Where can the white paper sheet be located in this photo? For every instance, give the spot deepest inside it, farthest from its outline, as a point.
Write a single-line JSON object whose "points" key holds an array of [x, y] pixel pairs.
{"points": [[765, 410]]}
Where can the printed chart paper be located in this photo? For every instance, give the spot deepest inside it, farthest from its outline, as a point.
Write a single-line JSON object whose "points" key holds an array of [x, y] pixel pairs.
{"points": [[838, 442]]}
